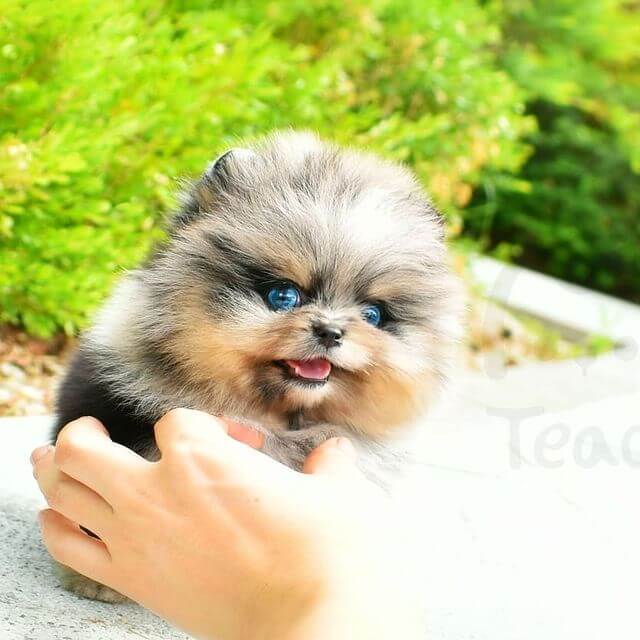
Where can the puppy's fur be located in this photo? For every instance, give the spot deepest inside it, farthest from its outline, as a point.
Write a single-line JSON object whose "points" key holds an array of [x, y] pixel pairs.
{"points": [[191, 327]]}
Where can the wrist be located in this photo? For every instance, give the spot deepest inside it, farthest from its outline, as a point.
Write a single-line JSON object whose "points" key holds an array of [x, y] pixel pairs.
{"points": [[372, 602], [376, 613]]}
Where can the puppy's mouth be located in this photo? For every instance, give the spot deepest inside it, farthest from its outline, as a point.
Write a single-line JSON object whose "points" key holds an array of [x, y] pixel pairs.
{"points": [[313, 373]]}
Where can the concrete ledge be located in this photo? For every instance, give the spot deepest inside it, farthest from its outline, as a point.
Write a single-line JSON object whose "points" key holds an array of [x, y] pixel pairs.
{"points": [[574, 309]]}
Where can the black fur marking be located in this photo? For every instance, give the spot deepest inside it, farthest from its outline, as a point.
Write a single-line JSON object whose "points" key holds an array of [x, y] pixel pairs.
{"points": [[367, 276], [83, 394], [320, 288], [315, 169], [217, 179], [269, 389], [296, 421], [219, 172], [238, 264], [241, 272], [411, 309], [189, 212], [158, 359]]}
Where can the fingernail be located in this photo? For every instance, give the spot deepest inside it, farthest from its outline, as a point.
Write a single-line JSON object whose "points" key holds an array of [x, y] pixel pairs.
{"points": [[40, 452]]}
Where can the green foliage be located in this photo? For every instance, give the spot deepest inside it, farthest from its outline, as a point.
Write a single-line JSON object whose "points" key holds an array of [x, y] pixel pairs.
{"points": [[103, 105], [582, 54], [573, 210]]}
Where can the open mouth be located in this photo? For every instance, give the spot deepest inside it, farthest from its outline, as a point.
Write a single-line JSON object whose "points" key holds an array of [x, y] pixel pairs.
{"points": [[314, 372]]}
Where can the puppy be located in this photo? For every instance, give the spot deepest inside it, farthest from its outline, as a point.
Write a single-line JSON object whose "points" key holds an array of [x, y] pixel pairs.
{"points": [[302, 288]]}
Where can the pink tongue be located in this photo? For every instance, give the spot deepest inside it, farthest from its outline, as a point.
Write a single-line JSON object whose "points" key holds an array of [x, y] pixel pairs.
{"points": [[317, 369]]}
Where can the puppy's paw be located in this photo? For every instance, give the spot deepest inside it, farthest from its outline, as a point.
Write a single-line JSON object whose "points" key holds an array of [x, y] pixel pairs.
{"points": [[87, 588]]}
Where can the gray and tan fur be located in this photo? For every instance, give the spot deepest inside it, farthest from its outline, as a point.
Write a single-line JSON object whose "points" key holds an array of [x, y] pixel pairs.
{"points": [[191, 327]]}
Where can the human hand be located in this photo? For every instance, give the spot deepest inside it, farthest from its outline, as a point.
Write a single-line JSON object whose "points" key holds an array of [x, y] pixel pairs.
{"points": [[218, 538]]}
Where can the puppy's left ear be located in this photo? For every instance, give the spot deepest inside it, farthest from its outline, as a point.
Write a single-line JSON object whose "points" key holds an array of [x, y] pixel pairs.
{"points": [[232, 166]]}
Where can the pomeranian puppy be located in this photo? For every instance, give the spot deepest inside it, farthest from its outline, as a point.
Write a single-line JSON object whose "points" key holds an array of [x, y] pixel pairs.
{"points": [[302, 288]]}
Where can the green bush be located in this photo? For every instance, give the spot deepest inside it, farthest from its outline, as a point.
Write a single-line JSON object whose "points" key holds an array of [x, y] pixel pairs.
{"points": [[573, 210], [103, 105]]}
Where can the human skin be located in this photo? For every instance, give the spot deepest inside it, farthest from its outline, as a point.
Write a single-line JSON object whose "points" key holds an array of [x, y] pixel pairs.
{"points": [[223, 541]]}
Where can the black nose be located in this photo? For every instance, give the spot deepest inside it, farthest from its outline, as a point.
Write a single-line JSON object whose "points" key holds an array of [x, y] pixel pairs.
{"points": [[328, 334]]}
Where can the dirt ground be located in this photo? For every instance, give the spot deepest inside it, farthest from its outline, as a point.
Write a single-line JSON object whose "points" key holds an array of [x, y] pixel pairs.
{"points": [[30, 369]]}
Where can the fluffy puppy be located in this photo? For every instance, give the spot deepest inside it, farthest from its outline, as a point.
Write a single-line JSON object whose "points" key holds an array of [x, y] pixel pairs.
{"points": [[302, 288]]}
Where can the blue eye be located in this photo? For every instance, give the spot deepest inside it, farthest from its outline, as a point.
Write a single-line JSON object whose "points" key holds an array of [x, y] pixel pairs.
{"points": [[283, 297], [372, 314]]}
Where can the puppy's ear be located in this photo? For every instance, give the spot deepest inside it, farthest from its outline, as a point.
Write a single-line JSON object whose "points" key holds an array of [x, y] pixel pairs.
{"points": [[222, 170], [233, 166]]}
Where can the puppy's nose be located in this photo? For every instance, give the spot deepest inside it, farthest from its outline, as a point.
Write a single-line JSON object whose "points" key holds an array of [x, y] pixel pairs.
{"points": [[329, 335]]}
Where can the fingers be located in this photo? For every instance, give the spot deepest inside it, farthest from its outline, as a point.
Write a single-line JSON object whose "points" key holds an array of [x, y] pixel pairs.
{"points": [[70, 546], [182, 426], [246, 435], [85, 452], [335, 457], [68, 497]]}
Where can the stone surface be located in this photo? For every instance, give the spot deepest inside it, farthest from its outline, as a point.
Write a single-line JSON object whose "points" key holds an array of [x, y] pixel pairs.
{"points": [[32, 604], [526, 504], [522, 496]]}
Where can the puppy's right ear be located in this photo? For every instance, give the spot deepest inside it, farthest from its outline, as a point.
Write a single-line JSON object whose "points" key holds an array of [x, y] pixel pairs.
{"points": [[235, 161], [232, 166]]}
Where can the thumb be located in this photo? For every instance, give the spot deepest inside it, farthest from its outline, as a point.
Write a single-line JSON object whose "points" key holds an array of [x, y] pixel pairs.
{"points": [[336, 457]]}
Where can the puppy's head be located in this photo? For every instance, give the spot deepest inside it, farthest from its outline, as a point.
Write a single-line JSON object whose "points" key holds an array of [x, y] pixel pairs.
{"points": [[306, 280]]}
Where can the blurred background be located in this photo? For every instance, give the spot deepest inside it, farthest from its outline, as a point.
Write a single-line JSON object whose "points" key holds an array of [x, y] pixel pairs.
{"points": [[521, 118]]}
